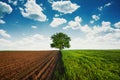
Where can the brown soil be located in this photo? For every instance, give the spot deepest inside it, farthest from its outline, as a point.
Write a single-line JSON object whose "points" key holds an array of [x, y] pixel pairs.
{"points": [[27, 65]]}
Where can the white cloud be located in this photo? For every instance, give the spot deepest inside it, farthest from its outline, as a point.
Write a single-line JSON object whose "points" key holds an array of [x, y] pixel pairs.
{"points": [[57, 22], [106, 5], [74, 24], [4, 9], [57, 15], [65, 6], [50, 1], [106, 24], [2, 22], [100, 8], [4, 44], [101, 30], [4, 34], [31, 42], [85, 29], [34, 27], [91, 21], [117, 25], [78, 19], [14, 2], [95, 17], [96, 37], [33, 11], [99, 42]]}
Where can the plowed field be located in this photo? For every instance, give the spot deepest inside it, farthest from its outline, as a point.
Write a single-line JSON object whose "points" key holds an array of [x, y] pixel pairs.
{"points": [[27, 65]]}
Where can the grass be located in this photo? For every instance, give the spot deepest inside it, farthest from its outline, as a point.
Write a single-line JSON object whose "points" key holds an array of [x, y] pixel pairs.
{"points": [[90, 65]]}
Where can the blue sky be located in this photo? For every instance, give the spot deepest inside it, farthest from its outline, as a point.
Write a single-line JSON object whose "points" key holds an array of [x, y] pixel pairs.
{"points": [[28, 24]]}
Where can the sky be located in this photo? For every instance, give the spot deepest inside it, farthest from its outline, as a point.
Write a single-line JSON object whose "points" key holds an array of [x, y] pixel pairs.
{"points": [[29, 24]]}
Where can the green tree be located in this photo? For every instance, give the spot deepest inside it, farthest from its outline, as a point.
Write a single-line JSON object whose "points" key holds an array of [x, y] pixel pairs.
{"points": [[60, 41]]}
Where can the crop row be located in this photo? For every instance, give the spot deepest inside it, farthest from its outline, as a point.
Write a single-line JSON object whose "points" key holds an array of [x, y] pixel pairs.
{"points": [[25, 64]]}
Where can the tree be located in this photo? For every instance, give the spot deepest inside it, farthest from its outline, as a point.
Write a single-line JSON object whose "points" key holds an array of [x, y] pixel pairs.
{"points": [[60, 41]]}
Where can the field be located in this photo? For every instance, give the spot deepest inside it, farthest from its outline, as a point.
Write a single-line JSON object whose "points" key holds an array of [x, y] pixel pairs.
{"points": [[27, 65], [65, 65], [89, 65]]}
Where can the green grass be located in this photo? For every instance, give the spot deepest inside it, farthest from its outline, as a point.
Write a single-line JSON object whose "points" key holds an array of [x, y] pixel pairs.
{"points": [[90, 65]]}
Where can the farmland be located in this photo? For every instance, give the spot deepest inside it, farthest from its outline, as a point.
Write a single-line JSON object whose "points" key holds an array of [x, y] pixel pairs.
{"points": [[30, 65], [89, 65], [69, 65]]}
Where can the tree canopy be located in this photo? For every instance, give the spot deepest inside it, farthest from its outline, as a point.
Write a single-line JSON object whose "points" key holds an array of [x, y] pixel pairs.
{"points": [[60, 41]]}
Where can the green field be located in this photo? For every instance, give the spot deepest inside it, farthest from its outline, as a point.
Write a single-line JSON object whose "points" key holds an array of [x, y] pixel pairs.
{"points": [[89, 65]]}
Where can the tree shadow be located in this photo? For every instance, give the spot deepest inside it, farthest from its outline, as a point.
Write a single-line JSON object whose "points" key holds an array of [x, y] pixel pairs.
{"points": [[59, 71]]}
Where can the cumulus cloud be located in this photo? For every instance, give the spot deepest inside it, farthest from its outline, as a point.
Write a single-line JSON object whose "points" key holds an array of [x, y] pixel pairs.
{"points": [[105, 28], [3, 33], [85, 29], [2, 22], [74, 24], [65, 6], [96, 37], [50, 1], [33, 11], [106, 24], [106, 5], [57, 15], [30, 42], [78, 19], [117, 25], [34, 27], [100, 8], [57, 22], [91, 21], [95, 18], [4, 9], [14, 2]]}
